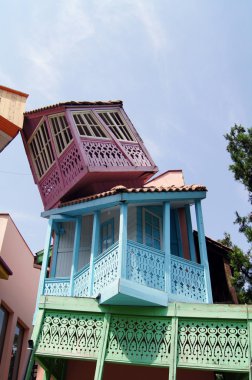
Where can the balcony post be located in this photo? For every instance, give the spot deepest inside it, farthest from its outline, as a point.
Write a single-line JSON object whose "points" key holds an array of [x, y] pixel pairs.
{"points": [[167, 244], [44, 265], [122, 249], [203, 250], [75, 259], [94, 250], [190, 233], [55, 252]]}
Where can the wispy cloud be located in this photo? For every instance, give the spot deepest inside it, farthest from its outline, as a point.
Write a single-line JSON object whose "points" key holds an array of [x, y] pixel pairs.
{"points": [[50, 48], [147, 14]]}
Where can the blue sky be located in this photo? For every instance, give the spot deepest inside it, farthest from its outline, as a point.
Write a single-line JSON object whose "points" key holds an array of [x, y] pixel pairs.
{"points": [[182, 68]]}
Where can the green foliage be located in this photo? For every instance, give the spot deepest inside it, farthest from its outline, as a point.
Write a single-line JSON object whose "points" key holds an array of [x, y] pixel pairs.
{"points": [[240, 149], [240, 263]]}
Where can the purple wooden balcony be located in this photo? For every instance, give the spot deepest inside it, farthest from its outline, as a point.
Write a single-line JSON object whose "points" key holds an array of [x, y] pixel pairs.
{"points": [[81, 148]]}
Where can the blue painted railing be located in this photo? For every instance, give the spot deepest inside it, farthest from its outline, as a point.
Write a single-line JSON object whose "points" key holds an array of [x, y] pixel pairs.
{"points": [[81, 282], [57, 287], [144, 266], [105, 268], [187, 279]]}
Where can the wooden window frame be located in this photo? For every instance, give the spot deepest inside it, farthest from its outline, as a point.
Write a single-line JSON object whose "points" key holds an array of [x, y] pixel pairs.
{"points": [[120, 131], [103, 225], [40, 147], [63, 134], [14, 366], [4, 329], [144, 211], [90, 127]]}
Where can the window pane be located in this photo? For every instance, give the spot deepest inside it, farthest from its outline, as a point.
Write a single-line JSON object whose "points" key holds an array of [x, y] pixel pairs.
{"points": [[16, 352], [61, 132], [3, 326], [117, 125]]}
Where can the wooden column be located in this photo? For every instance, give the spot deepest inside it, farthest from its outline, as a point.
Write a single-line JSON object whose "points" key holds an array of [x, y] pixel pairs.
{"points": [[167, 244], [122, 250], [102, 353], [35, 336], [75, 259], [94, 249], [174, 348], [55, 253], [190, 233], [203, 250], [44, 265]]}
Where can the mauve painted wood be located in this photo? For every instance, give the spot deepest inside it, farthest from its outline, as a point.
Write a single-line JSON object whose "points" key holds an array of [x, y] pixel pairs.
{"points": [[55, 186]]}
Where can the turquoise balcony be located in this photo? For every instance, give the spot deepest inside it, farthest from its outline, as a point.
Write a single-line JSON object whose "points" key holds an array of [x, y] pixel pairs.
{"points": [[133, 251]]}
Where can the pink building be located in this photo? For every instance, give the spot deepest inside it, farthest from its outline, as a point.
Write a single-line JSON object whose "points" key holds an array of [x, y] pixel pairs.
{"points": [[17, 299]]}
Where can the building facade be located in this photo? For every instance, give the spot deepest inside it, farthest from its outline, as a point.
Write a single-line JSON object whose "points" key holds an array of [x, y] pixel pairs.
{"points": [[17, 300], [129, 291]]}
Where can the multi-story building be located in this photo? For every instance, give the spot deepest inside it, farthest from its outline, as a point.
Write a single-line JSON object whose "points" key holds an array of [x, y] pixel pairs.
{"points": [[18, 289], [128, 292]]}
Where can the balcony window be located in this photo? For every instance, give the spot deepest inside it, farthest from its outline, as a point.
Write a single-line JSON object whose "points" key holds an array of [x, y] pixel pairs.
{"points": [[3, 326], [152, 229], [16, 352], [116, 124], [41, 150], [88, 126], [107, 234], [61, 132]]}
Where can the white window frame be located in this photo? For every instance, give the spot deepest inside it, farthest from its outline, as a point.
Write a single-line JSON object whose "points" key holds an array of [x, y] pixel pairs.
{"points": [[120, 131], [90, 127], [43, 152], [160, 227], [61, 133]]}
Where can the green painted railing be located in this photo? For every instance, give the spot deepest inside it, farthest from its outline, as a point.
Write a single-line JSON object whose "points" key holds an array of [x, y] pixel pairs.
{"points": [[193, 336]]}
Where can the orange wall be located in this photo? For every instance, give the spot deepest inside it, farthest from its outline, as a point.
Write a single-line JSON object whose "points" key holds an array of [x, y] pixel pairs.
{"points": [[18, 293]]}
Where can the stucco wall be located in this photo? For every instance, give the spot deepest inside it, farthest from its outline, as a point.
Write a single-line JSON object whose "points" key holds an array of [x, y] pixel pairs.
{"points": [[18, 293]]}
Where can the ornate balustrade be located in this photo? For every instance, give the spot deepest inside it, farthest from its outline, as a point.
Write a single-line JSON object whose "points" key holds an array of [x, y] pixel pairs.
{"points": [[105, 269], [56, 287], [187, 279], [206, 337], [81, 282], [144, 266]]}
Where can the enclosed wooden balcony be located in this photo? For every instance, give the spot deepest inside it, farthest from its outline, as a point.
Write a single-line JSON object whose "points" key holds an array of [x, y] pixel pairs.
{"points": [[129, 246], [82, 148]]}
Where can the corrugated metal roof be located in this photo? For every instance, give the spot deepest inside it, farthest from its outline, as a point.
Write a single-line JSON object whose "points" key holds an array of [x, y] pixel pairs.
{"points": [[79, 103], [122, 189]]}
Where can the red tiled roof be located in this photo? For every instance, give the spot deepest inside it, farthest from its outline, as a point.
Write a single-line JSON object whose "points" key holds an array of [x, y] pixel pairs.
{"points": [[75, 103], [122, 189]]}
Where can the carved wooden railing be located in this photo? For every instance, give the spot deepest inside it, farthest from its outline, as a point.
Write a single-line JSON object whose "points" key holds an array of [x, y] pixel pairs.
{"points": [[144, 266], [206, 337]]}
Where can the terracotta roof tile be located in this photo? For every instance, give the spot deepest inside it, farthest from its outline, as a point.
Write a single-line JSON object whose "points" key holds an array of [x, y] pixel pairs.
{"points": [[75, 103], [122, 189]]}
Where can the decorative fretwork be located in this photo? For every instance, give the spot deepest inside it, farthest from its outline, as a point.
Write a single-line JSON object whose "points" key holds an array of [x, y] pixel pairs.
{"points": [[208, 343], [145, 265], [50, 187], [56, 287], [188, 279], [71, 164], [139, 340], [137, 155], [104, 154], [105, 269], [71, 334], [81, 281]]}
